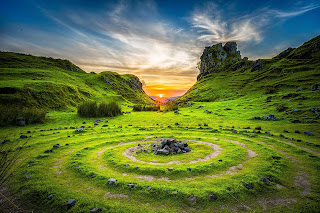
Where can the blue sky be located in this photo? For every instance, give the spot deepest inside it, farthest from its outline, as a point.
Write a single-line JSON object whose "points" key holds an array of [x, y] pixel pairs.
{"points": [[159, 41]]}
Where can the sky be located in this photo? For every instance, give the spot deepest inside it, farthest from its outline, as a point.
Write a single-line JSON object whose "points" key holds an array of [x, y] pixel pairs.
{"points": [[160, 41]]}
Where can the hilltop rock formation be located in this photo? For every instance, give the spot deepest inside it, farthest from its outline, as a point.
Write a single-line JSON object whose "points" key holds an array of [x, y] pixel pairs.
{"points": [[215, 55]]}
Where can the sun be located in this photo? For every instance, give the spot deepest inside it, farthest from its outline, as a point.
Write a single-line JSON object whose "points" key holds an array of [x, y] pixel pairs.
{"points": [[160, 95]]}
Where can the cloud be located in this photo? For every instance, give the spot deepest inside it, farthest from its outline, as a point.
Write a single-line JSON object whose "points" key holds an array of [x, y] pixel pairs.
{"points": [[297, 12], [212, 26]]}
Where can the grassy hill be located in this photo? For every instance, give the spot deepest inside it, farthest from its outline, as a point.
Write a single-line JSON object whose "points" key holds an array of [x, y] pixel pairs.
{"points": [[58, 84], [288, 83]]}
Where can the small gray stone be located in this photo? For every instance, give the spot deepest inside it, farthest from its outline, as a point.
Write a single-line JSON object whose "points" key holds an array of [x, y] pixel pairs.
{"points": [[56, 146], [48, 151], [212, 197], [248, 186], [112, 181], [71, 203], [131, 185], [309, 133], [95, 210], [264, 180], [50, 196]]}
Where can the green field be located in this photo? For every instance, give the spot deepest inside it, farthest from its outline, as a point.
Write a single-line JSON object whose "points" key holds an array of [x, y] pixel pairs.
{"points": [[237, 164]]}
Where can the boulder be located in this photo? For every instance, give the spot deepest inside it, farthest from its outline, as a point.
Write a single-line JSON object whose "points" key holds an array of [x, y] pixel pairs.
{"points": [[258, 128], [23, 136]]}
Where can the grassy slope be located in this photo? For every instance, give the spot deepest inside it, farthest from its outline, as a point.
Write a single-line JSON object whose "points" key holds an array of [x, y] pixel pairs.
{"points": [[57, 84], [284, 76]]}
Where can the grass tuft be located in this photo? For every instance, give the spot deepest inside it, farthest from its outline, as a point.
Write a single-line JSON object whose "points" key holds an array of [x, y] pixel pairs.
{"points": [[92, 109]]}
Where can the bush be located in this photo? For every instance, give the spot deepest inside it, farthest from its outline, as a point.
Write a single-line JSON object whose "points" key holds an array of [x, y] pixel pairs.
{"points": [[92, 109], [270, 90], [146, 107], [9, 115], [170, 106]]}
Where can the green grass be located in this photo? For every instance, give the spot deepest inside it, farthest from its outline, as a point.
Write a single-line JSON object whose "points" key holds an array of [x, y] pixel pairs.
{"points": [[224, 101]]}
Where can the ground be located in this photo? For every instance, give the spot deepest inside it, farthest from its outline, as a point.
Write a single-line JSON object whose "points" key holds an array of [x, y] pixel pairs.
{"points": [[231, 158]]}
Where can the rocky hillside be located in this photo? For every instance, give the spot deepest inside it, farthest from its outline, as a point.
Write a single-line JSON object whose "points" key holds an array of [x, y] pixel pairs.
{"points": [[289, 82], [57, 84]]}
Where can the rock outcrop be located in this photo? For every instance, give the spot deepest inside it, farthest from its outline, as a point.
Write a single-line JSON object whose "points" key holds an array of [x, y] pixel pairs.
{"points": [[216, 55]]}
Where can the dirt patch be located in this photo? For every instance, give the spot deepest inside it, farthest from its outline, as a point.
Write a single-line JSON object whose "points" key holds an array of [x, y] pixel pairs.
{"points": [[111, 195], [151, 178], [301, 180], [269, 203], [102, 167], [292, 144], [70, 151]]}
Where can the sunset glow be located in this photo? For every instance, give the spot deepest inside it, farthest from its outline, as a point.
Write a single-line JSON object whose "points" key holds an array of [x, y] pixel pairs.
{"points": [[160, 95], [162, 50]]}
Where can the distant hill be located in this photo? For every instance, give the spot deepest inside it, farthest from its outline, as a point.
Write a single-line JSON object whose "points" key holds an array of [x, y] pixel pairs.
{"points": [[292, 78], [164, 99], [55, 83]]}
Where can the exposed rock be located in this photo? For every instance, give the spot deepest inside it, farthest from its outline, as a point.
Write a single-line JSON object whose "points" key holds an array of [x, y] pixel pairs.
{"points": [[258, 128], [71, 203], [257, 65], [248, 186], [212, 197], [20, 121], [48, 151], [309, 133], [131, 185], [284, 53], [95, 210], [56, 146], [295, 121], [23, 136], [50, 196], [168, 146], [256, 118], [192, 199], [264, 180], [112, 181]]}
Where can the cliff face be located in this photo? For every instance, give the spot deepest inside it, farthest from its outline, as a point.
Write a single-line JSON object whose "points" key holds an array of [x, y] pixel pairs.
{"points": [[217, 54], [224, 75]]}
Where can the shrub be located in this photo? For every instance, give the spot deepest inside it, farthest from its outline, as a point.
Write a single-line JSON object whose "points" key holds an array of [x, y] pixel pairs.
{"points": [[270, 90], [146, 107], [92, 109], [170, 106], [9, 115]]}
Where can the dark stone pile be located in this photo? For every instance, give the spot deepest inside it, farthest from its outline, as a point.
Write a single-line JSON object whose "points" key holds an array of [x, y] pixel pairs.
{"points": [[171, 146]]}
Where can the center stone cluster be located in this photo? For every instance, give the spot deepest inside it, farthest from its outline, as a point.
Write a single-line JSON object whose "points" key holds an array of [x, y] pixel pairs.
{"points": [[171, 146]]}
